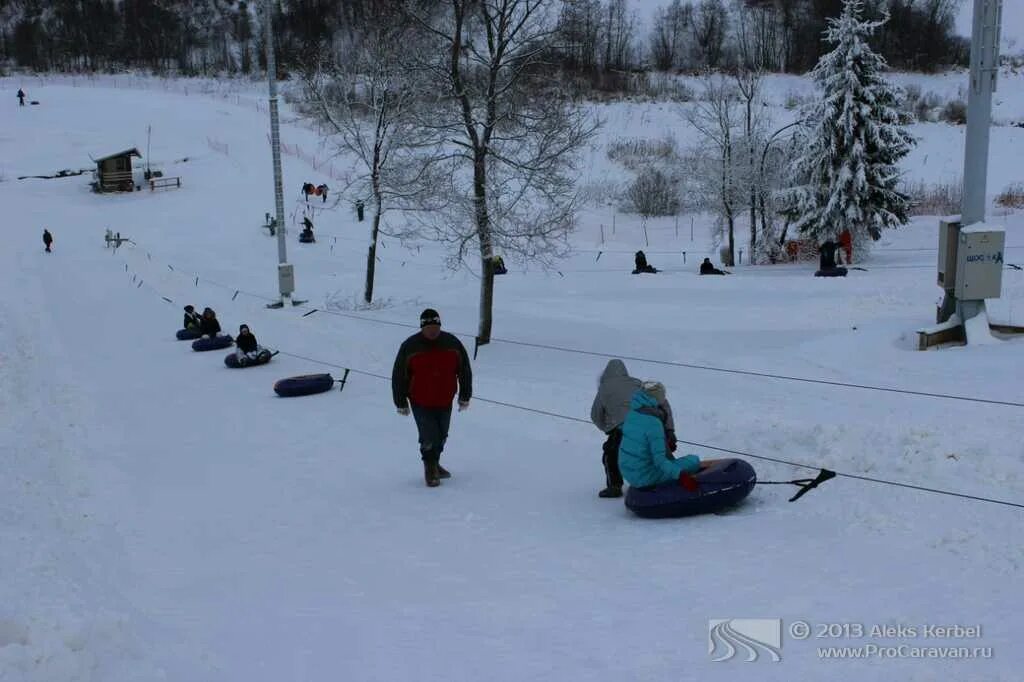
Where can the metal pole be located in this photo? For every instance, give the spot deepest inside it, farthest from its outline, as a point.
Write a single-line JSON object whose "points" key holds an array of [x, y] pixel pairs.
{"points": [[984, 69], [275, 141]]}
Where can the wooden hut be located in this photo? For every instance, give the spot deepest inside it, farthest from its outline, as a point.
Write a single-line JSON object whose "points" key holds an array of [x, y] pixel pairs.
{"points": [[114, 172]]}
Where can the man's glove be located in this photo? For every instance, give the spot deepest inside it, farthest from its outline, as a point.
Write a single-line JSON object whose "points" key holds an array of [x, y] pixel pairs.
{"points": [[463, 405], [404, 411], [688, 482]]}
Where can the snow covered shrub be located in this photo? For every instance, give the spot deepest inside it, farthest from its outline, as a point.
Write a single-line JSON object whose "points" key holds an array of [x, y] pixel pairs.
{"points": [[955, 112], [934, 199], [1012, 196], [926, 108], [653, 194], [637, 152]]}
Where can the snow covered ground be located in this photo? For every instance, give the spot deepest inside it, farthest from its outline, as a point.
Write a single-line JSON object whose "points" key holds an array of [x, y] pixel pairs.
{"points": [[165, 518]]}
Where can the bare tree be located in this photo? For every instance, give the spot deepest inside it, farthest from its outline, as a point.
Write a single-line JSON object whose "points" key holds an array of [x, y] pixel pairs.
{"points": [[619, 38], [714, 171], [748, 87], [669, 35], [709, 30], [579, 28], [367, 99], [515, 136]]}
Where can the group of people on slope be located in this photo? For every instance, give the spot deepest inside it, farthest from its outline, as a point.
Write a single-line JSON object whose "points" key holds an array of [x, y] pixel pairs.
{"points": [[247, 349], [641, 266], [432, 368]]}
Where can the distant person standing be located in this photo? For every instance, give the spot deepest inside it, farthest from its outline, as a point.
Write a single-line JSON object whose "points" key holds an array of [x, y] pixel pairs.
{"points": [[322, 190], [21, 97], [431, 365], [47, 240]]}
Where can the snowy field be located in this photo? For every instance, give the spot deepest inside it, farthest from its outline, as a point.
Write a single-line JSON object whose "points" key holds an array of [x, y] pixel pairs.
{"points": [[165, 518]]}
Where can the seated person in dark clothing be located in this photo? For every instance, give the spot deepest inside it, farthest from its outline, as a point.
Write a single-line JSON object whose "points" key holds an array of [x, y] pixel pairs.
{"points": [[209, 326], [827, 263], [499, 266], [641, 264], [247, 349], [193, 320], [307, 230], [706, 268]]}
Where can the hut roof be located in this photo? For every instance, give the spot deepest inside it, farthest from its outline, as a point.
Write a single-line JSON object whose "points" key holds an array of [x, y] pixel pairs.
{"points": [[128, 152]]}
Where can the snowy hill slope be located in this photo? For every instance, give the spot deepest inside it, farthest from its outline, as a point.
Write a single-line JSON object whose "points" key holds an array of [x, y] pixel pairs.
{"points": [[167, 518]]}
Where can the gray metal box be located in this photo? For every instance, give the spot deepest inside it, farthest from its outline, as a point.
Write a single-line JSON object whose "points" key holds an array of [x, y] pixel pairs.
{"points": [[286, 278], [949, 233], [979, 266]]}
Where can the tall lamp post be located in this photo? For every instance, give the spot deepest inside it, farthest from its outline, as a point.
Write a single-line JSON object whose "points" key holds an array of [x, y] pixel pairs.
{"points": [[285, 271]]}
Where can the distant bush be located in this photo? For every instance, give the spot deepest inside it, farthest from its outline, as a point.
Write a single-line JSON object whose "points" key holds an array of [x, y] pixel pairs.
{"points": [[955, 112], [634, 152], [1012, 196], [653, 194], [934, 199]]}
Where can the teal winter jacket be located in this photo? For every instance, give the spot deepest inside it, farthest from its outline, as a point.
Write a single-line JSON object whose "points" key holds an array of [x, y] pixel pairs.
{"points": [[643, 458]]}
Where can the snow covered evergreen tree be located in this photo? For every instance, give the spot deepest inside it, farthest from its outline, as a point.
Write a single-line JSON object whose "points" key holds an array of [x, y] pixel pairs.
{"points": [[852, 141]]}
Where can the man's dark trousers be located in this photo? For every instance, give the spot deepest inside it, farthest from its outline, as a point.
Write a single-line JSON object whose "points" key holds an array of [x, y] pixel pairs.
{"points": [[610, 458], [432, 424]]}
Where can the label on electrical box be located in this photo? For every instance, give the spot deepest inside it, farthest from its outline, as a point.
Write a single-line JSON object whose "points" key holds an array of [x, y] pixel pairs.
{"points": [[979, 270]]}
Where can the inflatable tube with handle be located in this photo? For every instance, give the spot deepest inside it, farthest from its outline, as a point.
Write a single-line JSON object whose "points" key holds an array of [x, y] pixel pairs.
{"points": [[307, 384], [262, 358], [722, 484], [216, 343], [187, 334]]}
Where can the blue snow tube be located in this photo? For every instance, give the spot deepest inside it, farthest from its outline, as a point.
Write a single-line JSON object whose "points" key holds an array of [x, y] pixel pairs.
{"points": [[307, 384], [216, 343], [187, 334], [231, 360], [722, 484], [831, 272]]}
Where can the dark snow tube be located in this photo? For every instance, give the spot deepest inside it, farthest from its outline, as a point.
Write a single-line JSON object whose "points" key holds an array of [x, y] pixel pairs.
{"points": [[187, 334], [232, 361], [833, 272], [307, 384], [723, 484], [216, 343]]}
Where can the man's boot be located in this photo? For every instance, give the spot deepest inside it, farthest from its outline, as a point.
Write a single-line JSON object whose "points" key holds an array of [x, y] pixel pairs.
{"points": [[431, 474], [442, 472], [611, 491]]}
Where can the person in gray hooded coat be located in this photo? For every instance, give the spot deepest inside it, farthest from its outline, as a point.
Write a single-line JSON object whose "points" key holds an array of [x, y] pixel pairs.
{"points": [[611, 405]]}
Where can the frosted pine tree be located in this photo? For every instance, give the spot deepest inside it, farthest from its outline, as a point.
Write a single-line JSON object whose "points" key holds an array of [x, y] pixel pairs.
{"points": [[852, 140]]}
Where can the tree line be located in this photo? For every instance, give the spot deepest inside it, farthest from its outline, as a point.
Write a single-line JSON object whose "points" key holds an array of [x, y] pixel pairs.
{"points": [[597, 39]]}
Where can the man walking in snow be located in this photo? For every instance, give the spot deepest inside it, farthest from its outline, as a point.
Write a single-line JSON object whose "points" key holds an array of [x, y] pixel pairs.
{"points": [[47, 240], [21, 97], [611, 405], [430, 366]]}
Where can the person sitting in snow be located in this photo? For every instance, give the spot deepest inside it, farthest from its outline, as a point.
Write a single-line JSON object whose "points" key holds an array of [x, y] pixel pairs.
{"points": [[208, 325], [644, 459], [307, 230], [707, 268], [642, 265], [193, 320], [611, 405], [499, 266], [247, 349]]}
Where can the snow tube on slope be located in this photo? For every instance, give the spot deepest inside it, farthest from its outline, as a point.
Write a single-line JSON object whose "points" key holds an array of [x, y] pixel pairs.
{"points": [[832, 272], [187, 334], [231, 360], [307, 384], [216, 343], [722, 484]]}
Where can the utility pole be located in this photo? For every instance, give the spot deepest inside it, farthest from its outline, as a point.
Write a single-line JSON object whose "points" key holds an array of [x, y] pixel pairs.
{"points": [[285, 272], [985, 31]]}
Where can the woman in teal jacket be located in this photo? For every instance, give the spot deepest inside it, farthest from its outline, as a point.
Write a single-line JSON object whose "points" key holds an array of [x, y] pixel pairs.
{"points": [[643, 457]]}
